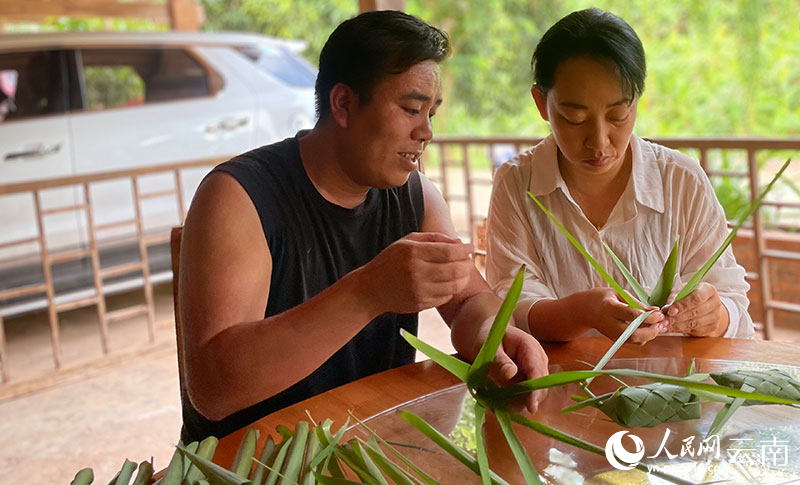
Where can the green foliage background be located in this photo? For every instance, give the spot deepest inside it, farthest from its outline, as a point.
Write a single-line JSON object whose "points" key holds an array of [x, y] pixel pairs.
{"points": [[721, 67]]}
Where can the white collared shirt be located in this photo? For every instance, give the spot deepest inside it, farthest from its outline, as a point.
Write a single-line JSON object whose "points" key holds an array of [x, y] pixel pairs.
{"points": [[667, 195]]}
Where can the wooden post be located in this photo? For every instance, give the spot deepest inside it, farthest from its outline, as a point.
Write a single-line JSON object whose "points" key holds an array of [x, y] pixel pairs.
{"points": [[368, 5], [185, 15]]}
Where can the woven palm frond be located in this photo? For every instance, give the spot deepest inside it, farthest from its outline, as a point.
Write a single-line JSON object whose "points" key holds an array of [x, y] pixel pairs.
{"points": [[773, 382], [650, 405]]}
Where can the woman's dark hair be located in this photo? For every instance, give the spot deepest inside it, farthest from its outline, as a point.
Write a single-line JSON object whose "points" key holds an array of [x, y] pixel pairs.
{"points": [[596, 34], [364, 50]]}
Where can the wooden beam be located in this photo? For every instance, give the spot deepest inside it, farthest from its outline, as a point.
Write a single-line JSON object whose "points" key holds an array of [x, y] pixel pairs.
{"points": [[37, 10], [368, 5]]}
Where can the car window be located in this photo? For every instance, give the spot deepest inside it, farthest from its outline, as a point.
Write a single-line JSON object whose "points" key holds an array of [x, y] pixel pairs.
{"points": [[31, 84], [129, 77], [287, 66]]}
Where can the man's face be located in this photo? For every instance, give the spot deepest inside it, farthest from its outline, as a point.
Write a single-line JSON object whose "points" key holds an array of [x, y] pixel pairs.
{"points": [[389, 132], [590, 116]]}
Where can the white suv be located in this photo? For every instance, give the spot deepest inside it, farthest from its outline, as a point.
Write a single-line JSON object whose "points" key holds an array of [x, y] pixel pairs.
{"points": [[80, 103]]}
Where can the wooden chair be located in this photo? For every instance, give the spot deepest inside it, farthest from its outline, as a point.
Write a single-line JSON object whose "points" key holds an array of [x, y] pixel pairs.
{"points": [[175, 250]]}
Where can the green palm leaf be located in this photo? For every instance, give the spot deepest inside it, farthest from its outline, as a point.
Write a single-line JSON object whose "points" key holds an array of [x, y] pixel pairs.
{"points": [[483, 458], [479, 370], [520, 454], [701, 273], [446, 444], [640, 292], [215, 474], [454, 365], [611, 282], [663, 287]]}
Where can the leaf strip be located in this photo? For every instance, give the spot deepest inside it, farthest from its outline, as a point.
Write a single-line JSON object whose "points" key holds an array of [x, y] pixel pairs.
{"points": [[641, 294], [479, 370], [520, 454], [455, 366], [622, 293], [701, 273]]}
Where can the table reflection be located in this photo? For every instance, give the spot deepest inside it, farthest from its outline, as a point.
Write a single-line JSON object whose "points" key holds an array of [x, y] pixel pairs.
{"points": [[759, 444]]}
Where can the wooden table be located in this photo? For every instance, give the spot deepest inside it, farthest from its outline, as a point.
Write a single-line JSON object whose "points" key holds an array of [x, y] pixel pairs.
{"points": [[376, 393]]}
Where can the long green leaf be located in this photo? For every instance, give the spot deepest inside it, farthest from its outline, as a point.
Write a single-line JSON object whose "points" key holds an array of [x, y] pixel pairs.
{"points": [[307, 472], [690, 382], [663, 287], [204, 450], [701, 273], [328, 443], [370, 465], [483, 458], [611, 282], [455, 366], [427, 478], [520, 454], [584, 445], [624, 336], [215, 474], [266, 457], [637, 288], [175, 470], [394, 472], [294, 460], [280, 457], [479, 370], [243, 460], [352, 460], [727, 411], [445, 444], [186, 463], [326, 480], [550, 380]]}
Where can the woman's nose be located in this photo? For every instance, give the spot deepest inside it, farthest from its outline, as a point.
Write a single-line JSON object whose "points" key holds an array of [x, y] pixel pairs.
{"points": [[597, 136]]}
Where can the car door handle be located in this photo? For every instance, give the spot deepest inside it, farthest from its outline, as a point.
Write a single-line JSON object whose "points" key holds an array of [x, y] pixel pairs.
{"points": [[38, 151], [227, 124]]}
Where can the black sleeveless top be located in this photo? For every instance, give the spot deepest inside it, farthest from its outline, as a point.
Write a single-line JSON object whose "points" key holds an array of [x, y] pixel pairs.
{"points": [[314, 243]]}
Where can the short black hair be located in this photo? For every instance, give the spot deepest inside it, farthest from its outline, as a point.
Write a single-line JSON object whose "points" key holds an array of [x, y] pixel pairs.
{"points": [[364, 50], [596, 34]]}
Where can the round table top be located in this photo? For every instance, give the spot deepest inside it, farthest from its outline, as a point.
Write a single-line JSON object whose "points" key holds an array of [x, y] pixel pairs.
{"points": [[375, 394]]}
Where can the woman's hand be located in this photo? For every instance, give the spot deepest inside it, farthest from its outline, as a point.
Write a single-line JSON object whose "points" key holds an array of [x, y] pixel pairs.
{"points": [[700, 314], [610, 315]]}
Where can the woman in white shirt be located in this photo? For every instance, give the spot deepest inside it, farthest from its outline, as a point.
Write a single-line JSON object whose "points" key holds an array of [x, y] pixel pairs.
{"points": [[606, 185]]}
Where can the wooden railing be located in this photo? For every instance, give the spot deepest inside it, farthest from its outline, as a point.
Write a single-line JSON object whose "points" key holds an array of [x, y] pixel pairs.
{"points": [[90, 248], [462, 168]]}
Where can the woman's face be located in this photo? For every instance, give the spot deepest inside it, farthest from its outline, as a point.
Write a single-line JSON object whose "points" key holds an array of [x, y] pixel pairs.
{"points": [[590, 115]]}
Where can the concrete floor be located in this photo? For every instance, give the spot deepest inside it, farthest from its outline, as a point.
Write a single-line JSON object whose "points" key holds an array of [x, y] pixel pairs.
{"points": [[100, 412]]}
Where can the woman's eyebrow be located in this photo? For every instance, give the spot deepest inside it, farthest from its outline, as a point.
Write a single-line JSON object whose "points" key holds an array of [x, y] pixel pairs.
{"points": [[570, 104]]}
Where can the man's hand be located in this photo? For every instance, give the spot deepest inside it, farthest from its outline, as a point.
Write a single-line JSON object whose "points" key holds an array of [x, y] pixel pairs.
{"points": [[700, 314], [610, 315], [519, 358], [419, 271]]}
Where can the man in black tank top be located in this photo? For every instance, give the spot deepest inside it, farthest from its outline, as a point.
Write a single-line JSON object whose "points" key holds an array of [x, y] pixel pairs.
{"points": [[302, 260]]}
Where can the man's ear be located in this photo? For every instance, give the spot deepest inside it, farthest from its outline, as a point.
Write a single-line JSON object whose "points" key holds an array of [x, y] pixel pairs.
{"points": [[541, 101], [342, 101]]}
